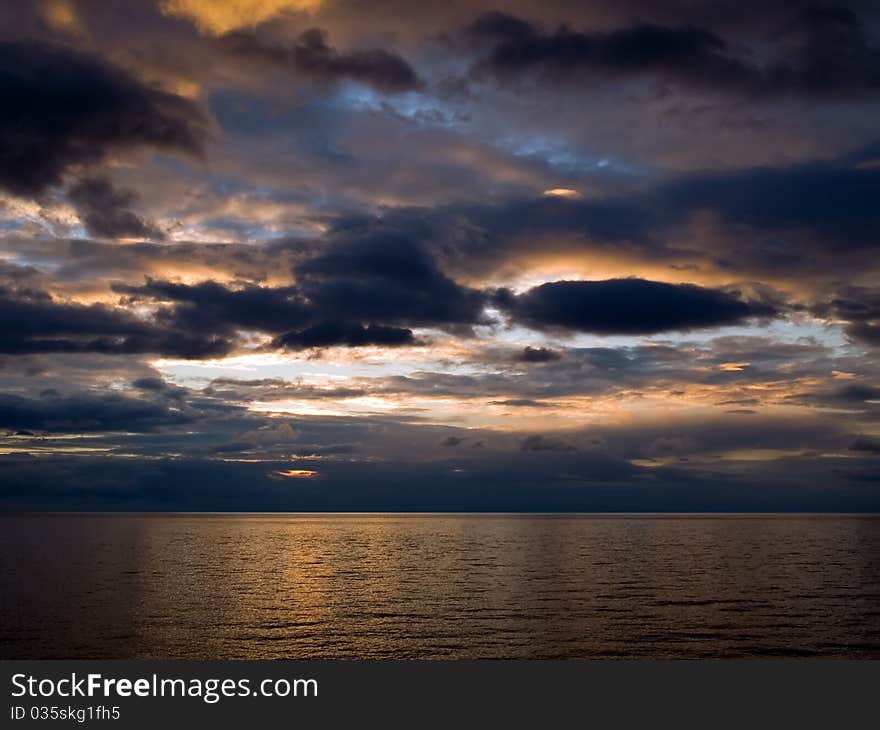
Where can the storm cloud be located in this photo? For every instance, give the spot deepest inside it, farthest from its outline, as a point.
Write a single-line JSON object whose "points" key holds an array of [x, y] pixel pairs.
{"points": [[104, 211], [363, 288], [629, 306], [824, 51], [64, 109], [312, 57], [859, 308], [33, 322], [348, 334]]}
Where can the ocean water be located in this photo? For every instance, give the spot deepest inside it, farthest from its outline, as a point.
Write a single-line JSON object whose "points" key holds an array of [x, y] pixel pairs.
{"points": [[438, 586]]}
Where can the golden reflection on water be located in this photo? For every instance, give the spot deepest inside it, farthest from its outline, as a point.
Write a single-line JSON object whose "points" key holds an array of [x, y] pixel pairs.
{"points": [[270, 586]]}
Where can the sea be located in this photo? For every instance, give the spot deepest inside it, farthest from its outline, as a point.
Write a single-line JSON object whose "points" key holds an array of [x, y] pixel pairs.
{"points": [[439, 586]]}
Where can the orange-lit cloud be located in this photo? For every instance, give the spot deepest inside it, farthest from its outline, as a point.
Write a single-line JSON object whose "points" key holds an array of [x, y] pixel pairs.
{"points": [[221, 16], [61, 15], [297, 474]]}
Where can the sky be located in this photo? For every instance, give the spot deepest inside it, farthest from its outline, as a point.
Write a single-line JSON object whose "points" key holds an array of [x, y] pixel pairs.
{"points": [[508, 256]]}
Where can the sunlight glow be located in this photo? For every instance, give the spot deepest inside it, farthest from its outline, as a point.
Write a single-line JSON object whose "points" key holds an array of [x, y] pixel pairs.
{"points": [[297, 474]]}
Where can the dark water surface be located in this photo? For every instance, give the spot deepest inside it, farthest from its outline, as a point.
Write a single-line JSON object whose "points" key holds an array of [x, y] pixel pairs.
{"points": [[454, 586]]}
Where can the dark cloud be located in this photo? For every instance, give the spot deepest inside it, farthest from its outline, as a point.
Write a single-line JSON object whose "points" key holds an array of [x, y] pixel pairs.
{"points": [[154, 384], [867, 332], [520, 403], [834, 201], [859, 399], [629, 306], [546, 443], [105, 211], [301, 316], [855, 393], [385, 272], [859, 308], [695, 54], [369, 285], [159, 387], [215, 308], [63, 109], [33, 322], [453, 441], [866, 445], [348, 334], [537, 354], [824, 51], [88, 413], [312, 57]]}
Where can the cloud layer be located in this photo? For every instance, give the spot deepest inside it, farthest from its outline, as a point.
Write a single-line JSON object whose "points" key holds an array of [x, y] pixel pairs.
{"points": [[510, 255]]}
